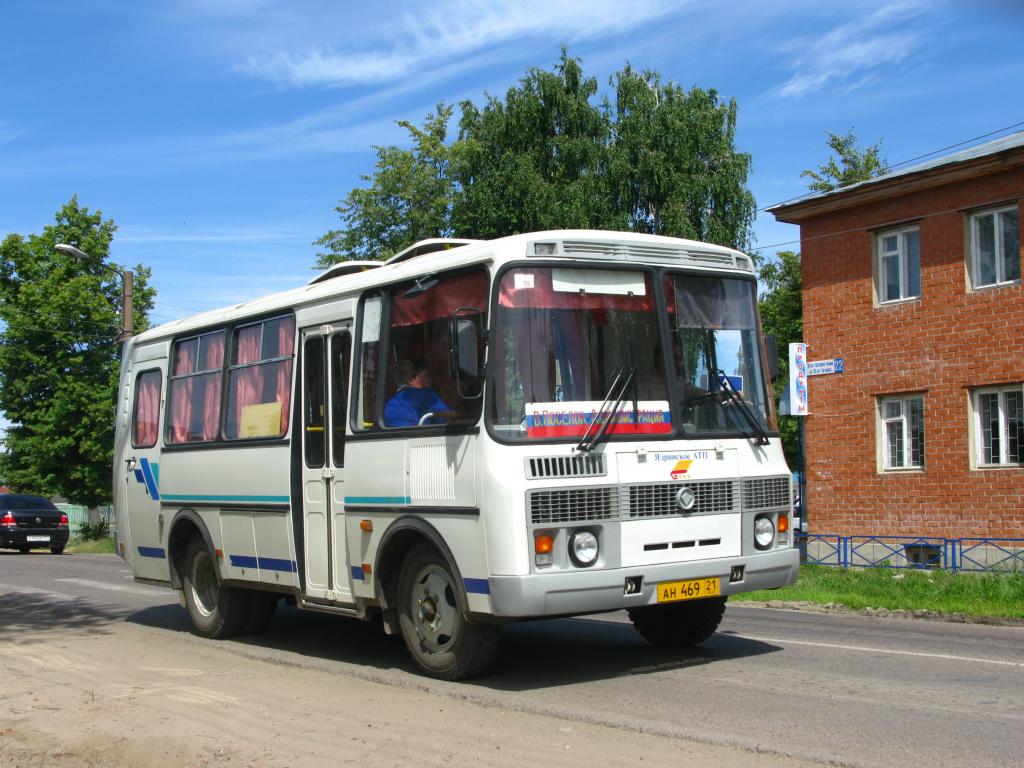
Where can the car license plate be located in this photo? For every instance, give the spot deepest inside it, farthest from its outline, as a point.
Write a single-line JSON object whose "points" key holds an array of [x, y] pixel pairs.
{"points": [[693, 589], [37, 538]]}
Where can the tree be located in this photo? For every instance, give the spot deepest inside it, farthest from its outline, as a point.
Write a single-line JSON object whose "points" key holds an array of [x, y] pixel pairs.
{"points": [[536, 161], [674, 167], [59, 356], [409, 198], [781, 308], [853, 164], [658, 159]]}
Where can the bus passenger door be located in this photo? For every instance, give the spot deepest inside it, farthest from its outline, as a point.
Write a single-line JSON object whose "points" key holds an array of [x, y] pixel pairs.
{"points": [[139, 460], [325, 357]]}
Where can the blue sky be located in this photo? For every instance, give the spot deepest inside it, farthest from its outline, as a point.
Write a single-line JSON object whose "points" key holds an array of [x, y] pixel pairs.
{"points": [[220, 134]]}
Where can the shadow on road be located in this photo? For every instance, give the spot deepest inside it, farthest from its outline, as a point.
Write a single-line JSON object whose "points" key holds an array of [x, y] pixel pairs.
{"points": [[533, 655], [25, 613]]}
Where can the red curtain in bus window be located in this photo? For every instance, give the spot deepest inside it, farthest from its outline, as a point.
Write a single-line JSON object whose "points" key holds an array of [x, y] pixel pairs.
{"points": [[522, 287], [147, 409], [248, 382], [211, 402], [181, 391], [451, 293], [285, 347]]}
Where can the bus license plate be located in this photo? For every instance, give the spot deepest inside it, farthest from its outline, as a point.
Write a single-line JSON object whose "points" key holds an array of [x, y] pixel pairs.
{"points": [[37, 538], [694, 589]]}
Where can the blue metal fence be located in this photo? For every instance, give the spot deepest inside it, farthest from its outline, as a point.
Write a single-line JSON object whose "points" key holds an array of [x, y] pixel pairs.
{"points": [[964, 554]]}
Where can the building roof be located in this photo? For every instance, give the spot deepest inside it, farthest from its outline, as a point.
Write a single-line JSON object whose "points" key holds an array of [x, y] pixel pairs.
{"points": [[974, 161]]}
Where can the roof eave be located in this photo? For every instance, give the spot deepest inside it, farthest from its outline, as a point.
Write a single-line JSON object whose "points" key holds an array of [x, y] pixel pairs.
{"points": [[887, 187]]}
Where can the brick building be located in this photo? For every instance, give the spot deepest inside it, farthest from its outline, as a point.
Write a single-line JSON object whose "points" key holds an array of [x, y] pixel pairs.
{"points": [[914, 279]]}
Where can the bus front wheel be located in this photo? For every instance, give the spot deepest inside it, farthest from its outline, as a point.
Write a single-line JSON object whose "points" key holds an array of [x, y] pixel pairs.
{"points": [[440, 639], [215, 611], [679, 625]]}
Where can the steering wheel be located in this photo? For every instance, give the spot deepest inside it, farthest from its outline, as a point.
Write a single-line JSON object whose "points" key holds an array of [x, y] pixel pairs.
{"points": [[425, 418]]}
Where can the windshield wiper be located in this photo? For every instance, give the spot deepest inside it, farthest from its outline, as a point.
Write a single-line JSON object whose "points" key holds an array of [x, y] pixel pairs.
{"points": [[610, 407], [761, 437]]}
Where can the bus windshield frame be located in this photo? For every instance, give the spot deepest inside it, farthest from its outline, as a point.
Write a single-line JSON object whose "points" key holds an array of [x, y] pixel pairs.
{"points": [[583, 323]]}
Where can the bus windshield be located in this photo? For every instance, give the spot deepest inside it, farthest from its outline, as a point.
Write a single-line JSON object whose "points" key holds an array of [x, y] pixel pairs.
{"points": [[717, 355], [563, 335]]}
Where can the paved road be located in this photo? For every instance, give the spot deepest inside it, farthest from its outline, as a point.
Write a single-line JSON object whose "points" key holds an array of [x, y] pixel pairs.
{"points": [[838, 689]]}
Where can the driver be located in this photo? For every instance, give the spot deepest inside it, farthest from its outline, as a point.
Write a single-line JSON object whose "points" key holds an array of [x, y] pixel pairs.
{"points": [[415, 398]]}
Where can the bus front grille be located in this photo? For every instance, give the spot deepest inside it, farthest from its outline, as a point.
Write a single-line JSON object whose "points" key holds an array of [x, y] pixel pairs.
{"points": [[660, 499], [573, 505], [766, 492]]}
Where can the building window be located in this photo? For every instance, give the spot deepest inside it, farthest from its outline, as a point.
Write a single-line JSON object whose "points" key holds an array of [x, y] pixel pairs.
{"points": [[995, 247], [999, 425], [903, 440], [899, 265]]}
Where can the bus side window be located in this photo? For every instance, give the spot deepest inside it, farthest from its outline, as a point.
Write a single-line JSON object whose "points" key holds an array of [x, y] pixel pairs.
{"points": [[146, 416], [419, 379]]}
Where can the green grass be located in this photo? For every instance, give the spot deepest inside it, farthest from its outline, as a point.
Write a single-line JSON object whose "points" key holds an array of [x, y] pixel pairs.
{"points": [[96, 547], [967, 594]]}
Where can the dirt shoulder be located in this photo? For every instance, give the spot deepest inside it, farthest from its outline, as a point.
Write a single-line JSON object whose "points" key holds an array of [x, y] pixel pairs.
{"points": [[134, 696]]}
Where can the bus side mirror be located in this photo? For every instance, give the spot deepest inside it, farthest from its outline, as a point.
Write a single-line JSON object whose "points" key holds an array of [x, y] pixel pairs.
{"points": [[771, 348], [463, 349]]}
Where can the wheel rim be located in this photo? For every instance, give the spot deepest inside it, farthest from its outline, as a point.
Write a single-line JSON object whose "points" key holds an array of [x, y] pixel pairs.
{"points": [[205, 588], [434, 609]]}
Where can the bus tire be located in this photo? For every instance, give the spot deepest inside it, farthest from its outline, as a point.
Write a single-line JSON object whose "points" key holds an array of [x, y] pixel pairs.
{"points": [[441, 640], [679, 625], [214, 611], [261, 612]]}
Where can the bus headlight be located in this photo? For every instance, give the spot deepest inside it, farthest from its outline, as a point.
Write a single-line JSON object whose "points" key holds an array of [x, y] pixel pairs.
{"points": [[583, 548], [764, 532]]}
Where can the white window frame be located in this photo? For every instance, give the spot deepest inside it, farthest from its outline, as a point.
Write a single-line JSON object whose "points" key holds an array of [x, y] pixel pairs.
{"points": [[998, 255], [901, 421], [901, 254], [1003, 426]]}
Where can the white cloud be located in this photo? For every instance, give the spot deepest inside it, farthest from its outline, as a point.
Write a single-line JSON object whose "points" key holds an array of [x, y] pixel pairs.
{"points": [[417, 44], [849, 56]]}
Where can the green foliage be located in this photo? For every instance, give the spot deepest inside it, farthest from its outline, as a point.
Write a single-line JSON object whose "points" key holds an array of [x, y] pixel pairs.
{"points": [[94, 531], [536, 161], [782, 316], [674, 167], [990, 594], [59, 356], [409, 198], [659, 159], [853, 164]]}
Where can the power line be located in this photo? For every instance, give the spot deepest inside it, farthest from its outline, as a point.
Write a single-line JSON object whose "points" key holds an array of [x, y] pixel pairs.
{"points": [[897, 165]]}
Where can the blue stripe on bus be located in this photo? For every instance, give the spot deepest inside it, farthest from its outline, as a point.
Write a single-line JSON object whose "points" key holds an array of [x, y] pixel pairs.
{"points": [[234, 499], [392, 500], [357, 573], [153, 552], [263, 563], [147, 473], [477, 586]]}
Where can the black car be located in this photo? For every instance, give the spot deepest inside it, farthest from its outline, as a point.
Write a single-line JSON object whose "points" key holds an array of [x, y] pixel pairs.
{"points": [[31, 522]]}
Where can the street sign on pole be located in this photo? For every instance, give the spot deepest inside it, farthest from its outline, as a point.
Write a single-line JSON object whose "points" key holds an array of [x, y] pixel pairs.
{"points": [[798, 379]]}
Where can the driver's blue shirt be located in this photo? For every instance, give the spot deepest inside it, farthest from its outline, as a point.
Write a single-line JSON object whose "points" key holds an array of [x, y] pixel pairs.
{"points": [[409, 404]]}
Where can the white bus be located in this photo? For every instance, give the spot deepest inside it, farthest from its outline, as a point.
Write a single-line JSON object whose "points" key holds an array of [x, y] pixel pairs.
{"points": [[471, 433]]}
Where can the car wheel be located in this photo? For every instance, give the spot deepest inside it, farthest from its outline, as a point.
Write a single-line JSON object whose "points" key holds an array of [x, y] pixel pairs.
{"points": [[215, 611], [441, 640], [24, 550], [679, 625], [57, 550]]}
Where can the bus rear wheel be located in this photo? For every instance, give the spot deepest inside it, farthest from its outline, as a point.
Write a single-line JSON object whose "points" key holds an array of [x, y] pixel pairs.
{"points": [[679, 625], [215, 611], [441, 640]]}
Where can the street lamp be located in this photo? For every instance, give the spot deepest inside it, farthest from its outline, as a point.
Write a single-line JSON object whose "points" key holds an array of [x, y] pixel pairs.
{"points": [[127, 288]]}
